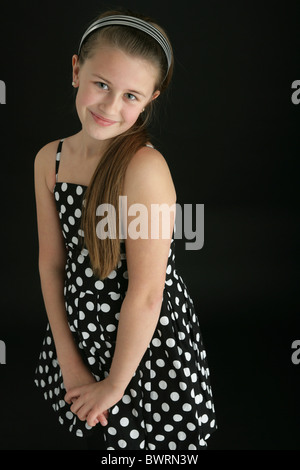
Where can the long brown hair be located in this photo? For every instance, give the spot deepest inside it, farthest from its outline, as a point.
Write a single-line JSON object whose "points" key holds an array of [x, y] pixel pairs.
{"points": [[107, 182]]}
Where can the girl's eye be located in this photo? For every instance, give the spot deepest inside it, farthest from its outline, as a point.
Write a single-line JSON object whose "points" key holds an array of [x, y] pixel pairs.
{"points": [[102, 85], [131, 97]]}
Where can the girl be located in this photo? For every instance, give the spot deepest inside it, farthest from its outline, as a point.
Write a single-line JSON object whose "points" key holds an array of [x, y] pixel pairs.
{"points": [[123, 359]]}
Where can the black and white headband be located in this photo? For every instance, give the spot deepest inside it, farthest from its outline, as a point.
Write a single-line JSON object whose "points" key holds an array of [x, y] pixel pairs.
{"points": [[133, 22]]}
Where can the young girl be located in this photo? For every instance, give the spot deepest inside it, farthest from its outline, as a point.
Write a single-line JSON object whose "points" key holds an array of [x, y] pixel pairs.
{"points": [[123, 359]]}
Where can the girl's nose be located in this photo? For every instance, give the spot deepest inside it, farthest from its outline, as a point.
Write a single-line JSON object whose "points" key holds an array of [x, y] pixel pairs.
{"points": [[111, 105]]}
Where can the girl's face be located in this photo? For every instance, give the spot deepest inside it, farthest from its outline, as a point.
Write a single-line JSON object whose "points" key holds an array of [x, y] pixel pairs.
{"points": [[113, 89]]}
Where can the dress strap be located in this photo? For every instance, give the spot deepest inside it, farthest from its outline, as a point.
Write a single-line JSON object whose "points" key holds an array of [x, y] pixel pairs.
{"points": [[57, 161]]}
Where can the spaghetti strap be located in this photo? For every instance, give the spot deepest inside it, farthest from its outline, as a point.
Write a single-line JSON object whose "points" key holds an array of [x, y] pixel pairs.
{"points": [[57, 161]]}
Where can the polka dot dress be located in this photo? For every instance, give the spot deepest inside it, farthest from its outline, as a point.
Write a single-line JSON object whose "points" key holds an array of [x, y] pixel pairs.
{"points": [[168, 404]]}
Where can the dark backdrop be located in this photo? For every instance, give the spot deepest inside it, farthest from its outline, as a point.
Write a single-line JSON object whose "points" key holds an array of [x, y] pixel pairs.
{"points": [[230, 134]]}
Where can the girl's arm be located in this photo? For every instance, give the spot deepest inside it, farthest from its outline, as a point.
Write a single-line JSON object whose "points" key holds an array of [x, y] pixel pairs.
{"points": [[147, 182], [52, 259]]}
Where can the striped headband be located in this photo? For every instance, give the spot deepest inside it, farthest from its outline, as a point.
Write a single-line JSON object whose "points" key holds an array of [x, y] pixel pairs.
{"points": [[133, 22]]}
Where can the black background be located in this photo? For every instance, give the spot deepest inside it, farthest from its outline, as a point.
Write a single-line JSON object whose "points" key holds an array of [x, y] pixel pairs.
{"points": [[230, 134]]}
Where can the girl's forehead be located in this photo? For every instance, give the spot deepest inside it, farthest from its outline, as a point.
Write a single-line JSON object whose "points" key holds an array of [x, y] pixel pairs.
{"points": [[113, 63]]}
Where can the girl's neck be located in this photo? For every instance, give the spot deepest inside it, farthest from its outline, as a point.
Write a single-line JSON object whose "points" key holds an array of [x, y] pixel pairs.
{"points": [[88, 147]]}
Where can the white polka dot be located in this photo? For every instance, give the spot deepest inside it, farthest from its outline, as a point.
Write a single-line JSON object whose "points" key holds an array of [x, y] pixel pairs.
{"points": [[99, 285], [174, 396], [168, 428], [134, 434], [112, 431], [198, 398], [105, 307], [79, 190], [122, 443], [64, 187], [90, 306], [181, 436], [162, 384], [192, 447], [88, 272], [177, 418], [112, 275], [70, 200], [110, 328], [160, 362], [126, 399], [191, 426], [124, 422], [164, 320], [179, 287], [182, 385], [186, 407]]}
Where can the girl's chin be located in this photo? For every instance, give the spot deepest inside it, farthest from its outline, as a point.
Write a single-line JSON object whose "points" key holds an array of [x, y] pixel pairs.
{"points": [[104, 133]]}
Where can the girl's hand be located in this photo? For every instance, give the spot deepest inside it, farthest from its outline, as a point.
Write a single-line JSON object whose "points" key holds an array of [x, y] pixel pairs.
{"points": [[90, 402], [76, 376]]}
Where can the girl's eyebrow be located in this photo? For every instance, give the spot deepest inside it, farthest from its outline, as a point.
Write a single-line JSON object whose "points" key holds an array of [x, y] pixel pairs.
{"points": [[109, 83]]}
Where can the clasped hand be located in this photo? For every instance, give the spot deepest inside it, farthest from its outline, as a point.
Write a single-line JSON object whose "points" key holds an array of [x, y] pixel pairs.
{"points": [[91, 402]]}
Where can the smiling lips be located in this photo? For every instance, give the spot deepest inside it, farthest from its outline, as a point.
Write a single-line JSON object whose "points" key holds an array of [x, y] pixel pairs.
{"points": [[102, 121]]}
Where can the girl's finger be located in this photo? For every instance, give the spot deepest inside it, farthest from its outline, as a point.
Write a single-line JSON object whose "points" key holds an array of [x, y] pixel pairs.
{"points": [[95, 417], [76, 405], [71, 395]]}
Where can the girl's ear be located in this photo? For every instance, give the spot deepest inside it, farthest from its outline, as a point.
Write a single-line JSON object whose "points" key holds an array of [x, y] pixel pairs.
{"points": [[155, 95], [75, 67]]}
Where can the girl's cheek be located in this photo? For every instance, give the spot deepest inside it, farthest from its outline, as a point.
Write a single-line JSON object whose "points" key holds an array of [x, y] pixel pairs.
{"points": [[132, 115]]}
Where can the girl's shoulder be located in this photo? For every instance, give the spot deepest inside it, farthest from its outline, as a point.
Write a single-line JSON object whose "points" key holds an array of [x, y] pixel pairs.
{"points": [[47, 153], [148, 169], [147, 158], [44, 162]]}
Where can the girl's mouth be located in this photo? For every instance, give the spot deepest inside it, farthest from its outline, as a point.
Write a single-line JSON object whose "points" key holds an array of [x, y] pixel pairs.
{"points": [[102, 121]]}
